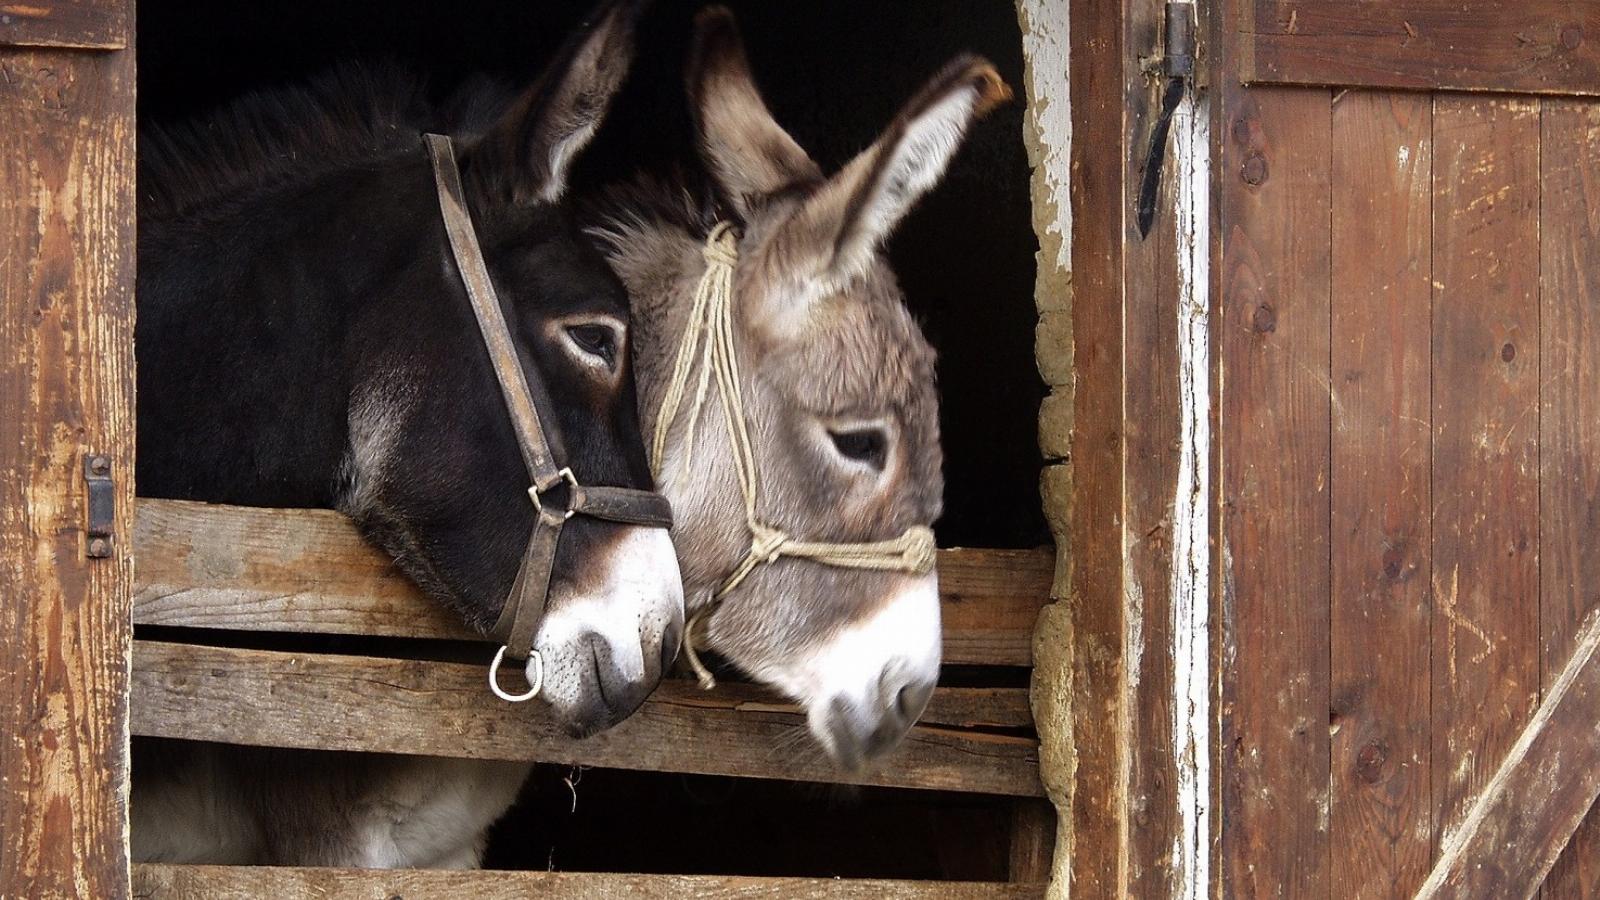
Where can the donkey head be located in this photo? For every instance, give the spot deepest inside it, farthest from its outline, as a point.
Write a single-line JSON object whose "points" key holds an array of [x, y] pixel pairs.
{"points": [[838, 393], [436, 475]]}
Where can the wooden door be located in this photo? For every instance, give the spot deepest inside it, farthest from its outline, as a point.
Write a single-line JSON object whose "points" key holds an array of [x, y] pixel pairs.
{"points": [[1407, 293], [66, 396]]}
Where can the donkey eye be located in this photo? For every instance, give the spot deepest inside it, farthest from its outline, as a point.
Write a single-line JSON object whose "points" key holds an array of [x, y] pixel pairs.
{"points": [[863, 445], [596, 340]]}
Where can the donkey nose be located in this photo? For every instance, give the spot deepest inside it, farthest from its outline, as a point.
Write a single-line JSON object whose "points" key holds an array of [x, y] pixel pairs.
{"points": [[910, 691]]}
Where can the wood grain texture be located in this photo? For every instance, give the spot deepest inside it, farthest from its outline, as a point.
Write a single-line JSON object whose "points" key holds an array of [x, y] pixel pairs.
{"points": [[1514, 830], [85, 24], [229, 567], [274, 699], [1381, 817], [1152, 412], [1569, 444], [1273, 437], [1485, 440], [165, 882], [66, 389], [1531, 46], [1098, 791], [1033, 841]]}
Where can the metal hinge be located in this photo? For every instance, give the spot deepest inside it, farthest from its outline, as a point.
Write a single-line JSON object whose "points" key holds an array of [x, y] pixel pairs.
{"points": [[1176, 64], [102, 507]]}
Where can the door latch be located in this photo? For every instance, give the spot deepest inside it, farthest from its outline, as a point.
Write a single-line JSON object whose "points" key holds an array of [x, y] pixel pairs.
{"points": [[1176, 65], [102, 507]]}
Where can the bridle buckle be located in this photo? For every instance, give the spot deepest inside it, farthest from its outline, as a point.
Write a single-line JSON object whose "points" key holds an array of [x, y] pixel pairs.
{"points": [[556, 515]]}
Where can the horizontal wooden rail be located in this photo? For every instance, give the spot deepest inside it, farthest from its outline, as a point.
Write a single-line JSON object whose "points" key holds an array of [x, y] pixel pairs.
{"points": [[274, 699], [228, 567], [164, 882]]}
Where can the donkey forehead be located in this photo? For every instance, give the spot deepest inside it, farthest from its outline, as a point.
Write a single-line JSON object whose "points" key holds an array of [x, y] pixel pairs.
{"points": [[857, 350], [544, 259]]}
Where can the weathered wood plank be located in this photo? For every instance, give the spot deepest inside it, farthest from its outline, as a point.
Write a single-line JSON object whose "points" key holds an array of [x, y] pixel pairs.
{"points": [[1033, 841], [1273, 439], [1531, 46], [229, 567], [1521, 820], [1152, 413], [1569, 444], [1485, 440], [86, 24], [1381, 819], [66, 390], [442, 709], [164, 882], [1097, 793]]}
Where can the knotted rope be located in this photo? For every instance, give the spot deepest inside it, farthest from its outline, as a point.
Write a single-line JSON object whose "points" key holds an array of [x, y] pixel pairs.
{"points": [[707, 344]]}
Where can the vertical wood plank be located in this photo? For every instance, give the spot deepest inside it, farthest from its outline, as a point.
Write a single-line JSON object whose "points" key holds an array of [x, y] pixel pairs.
{"points": [[1273, 352], [1381, 818], [1099, 789], [66, 387], [1569, 452], [1152, 413], [1033, 841], [1485, 440]]}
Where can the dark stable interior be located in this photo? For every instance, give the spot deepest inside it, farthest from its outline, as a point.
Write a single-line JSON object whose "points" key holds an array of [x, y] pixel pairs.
{"points": [[834, 72]]}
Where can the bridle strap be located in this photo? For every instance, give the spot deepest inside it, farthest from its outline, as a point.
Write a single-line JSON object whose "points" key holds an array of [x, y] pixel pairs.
{"points": [[708, 344], [524, 607]]}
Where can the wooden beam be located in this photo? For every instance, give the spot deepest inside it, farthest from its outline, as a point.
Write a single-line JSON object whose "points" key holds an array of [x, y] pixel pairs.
{"points": [[1524, 816], [168, 882], [300, 570], [76, 24], [1531, 46], [330, 702], [66, 392]]}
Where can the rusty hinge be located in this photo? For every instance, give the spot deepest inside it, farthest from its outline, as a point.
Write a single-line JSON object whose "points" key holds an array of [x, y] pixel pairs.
{"points": [[102, 507], [1176, 64]]}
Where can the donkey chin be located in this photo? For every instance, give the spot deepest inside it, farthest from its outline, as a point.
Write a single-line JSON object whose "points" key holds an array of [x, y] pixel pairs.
{"points": [[610, 635], [867, 684]]}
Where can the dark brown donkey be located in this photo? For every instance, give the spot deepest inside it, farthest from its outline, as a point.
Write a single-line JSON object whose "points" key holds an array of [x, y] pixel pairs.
{"points": [[792, 397], [305, 339]]}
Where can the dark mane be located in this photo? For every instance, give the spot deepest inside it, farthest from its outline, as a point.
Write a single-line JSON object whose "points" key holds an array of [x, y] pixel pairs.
{"points": [[346, 117], [678, 199]]}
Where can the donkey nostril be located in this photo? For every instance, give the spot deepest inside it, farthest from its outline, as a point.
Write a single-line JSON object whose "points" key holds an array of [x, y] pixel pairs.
{"points": [[911, 699]]}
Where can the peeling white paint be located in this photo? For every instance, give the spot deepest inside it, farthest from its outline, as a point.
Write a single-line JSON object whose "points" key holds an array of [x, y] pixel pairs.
{"points": [[1191, 554], [1049, 123]]}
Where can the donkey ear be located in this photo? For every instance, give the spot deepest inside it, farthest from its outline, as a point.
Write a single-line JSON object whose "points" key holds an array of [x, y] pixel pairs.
{"points": [[849, 217], [529, 152], [748, 153]]}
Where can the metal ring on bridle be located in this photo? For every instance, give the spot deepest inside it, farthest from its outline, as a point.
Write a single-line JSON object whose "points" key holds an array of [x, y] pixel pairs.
{"points": [[537, 662], [535, 492]]}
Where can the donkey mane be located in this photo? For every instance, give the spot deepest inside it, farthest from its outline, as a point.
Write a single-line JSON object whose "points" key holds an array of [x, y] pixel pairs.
{"points": [[346, 117]]}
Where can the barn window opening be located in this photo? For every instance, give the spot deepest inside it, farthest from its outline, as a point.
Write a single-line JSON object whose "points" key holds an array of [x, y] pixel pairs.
{"points": [[834, 72]]}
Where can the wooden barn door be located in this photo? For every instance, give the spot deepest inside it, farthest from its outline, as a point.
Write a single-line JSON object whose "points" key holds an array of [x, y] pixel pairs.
{"points": [[66, 420], [1408, 356]]}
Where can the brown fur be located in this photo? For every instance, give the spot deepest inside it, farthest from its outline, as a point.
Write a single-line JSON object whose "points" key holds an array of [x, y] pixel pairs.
{"points": [[824, 341]]}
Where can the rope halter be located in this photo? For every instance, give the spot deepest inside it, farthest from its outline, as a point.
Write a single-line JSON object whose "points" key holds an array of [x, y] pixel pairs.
{"points": [[707, 345]]}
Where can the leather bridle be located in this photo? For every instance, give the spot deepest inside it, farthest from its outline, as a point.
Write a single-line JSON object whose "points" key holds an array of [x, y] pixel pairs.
{"points": [[525, 605]]}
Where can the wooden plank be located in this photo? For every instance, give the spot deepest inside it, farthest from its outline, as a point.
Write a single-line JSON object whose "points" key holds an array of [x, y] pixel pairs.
{"points": [[229, 567], [1522, 819], [66, 389], [1152, 413], [86, 24], [1096, 684], [1381, 818], [1485, 440], [442, 709], [1033, 841], [1273, 438], [168, 882], [1531, 46], [1569, 444]]}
